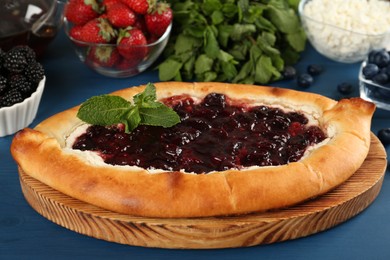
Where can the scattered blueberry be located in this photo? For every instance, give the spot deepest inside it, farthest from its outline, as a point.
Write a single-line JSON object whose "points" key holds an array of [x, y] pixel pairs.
{"points": [[370, 70], [305, 80], [289, 72], [345, 88], [314, 69], [384, 136]]}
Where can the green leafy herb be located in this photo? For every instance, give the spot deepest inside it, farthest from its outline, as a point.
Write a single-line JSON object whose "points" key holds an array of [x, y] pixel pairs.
{"points": [[240, 41], [108, 110]]}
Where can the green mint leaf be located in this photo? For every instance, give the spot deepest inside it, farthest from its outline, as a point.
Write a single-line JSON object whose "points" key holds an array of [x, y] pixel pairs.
{"points": [[145, 97], [297, 40], [163, 116], [217, 17], [103, 110], [169, 69], [209, 6], [203, 64], [132, 119], [240, 31], [284, 19], [211, 47], [229, 10], [109, 110]]}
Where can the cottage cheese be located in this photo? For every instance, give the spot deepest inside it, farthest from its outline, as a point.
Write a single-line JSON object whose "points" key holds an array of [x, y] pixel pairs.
{"points": [[346, 30]]}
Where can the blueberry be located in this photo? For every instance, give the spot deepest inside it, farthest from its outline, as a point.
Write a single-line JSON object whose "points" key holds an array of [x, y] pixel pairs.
{"points": [[381, 78], [345, 88], [304, 80], [384, 136], [382, 58], [371, 56], [370, 70], [314, 69], [386, 70], [289, 72]]}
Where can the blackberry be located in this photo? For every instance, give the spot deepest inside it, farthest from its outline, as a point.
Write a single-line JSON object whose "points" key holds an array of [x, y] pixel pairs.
{"points": [[3, 84], [27, 52], [2, 56], [15, 61], [11, 97], [21, 84], [34, 72]]}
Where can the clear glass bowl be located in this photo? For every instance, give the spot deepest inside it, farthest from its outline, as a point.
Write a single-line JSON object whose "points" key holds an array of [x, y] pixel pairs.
{"points": [[371, 91], [339, 44], [123, 68]]}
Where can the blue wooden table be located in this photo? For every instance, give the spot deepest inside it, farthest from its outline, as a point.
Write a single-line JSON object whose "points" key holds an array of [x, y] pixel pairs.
{"points": [[24, 234]]}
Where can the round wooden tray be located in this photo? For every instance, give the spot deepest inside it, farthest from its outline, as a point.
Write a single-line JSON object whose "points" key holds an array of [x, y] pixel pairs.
{"points": [[305, 219]]}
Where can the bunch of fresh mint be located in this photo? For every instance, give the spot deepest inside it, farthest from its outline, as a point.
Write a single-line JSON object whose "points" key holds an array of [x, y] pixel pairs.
{"points": [[228, 40], [107, 110]]}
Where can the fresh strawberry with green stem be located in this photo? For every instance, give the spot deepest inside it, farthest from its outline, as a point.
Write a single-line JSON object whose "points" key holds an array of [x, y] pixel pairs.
{"points": [[80, 12], [98, 30], [120, 15], [130, 44], [140, 6], [159, 19], [106, 56]]}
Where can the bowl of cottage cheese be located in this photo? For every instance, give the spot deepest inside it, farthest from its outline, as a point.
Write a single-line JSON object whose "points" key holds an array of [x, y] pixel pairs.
{"points": [[346, 30]]}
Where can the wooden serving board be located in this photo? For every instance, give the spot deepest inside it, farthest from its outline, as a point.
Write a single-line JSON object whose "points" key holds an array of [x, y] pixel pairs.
{"points": [[305, 219]]}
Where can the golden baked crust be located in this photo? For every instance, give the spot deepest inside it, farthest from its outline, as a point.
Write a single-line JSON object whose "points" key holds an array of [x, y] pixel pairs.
{"points": [[41, 153]]}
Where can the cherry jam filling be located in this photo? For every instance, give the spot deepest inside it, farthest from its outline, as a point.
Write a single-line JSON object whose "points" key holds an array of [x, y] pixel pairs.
{"points": [[213, 135]]}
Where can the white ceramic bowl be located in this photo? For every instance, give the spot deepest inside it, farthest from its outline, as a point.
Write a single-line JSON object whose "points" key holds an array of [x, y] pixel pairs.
{"points": [[20, 115], [337, 43]]}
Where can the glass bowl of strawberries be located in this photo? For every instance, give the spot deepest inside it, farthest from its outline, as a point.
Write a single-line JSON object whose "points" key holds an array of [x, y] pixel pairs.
{"points": [[118, 38]]}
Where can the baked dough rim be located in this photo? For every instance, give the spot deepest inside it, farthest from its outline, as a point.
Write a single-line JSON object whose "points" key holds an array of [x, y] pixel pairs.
{"points": [[39, 152]]}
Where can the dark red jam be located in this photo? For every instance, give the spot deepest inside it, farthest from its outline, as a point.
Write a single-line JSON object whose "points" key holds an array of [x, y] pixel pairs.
{"points": [[213, 135]]}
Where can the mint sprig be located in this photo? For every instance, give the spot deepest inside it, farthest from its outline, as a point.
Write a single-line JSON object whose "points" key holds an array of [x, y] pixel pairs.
{"points": [[240, 41], [108, 110]]}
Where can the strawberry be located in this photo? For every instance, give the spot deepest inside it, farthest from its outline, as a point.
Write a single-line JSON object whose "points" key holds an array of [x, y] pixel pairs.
{"points": [[108, 3], [76, 32], [105, 56], [120, 15], [126, 64], [159, 19], [140, 6], [140, 23], [98, 30], [80, 12], [128, 44]]}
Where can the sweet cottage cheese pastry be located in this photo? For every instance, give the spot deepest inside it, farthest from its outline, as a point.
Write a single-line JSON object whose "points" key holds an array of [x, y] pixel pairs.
{"points": [[238, 149]]}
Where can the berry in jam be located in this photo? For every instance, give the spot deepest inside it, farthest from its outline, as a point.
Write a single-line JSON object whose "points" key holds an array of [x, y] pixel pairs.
{"points": [[214, 135]]}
